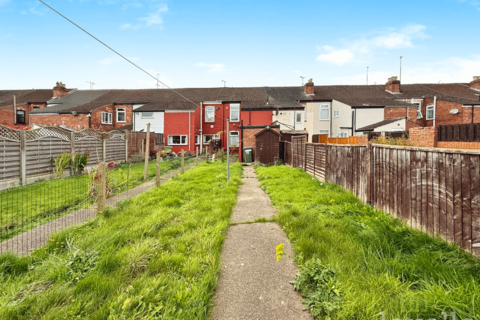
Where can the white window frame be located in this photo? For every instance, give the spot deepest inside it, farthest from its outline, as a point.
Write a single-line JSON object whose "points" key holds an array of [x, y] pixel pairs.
{"points": [[170, 140], [430, 108], [328, 131], [419, 110], [236, 106], [296, 117], [324, 107], [205, 140], [124, 111], [108, 119], [197, 140], [237, 135], [146, 117], [336, 113], [342, 134], [209, 108]]}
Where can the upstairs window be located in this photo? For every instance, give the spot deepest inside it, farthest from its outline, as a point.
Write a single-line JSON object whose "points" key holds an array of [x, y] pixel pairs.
{"points": [[234, 138], [419, 111], [20, 117], [430, 112], [121, 115], [147, 115], [336, 113], [234, 112], [298, 118], [324, 112], [106, 118], [210, 114]]}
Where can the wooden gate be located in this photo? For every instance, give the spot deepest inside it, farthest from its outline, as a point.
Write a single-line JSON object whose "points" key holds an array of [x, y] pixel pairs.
{"points": [[267, 146]]}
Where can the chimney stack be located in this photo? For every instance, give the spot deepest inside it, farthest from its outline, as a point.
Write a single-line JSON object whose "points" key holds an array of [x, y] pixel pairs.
{"points": [[475, 84], [393, 85], [309, 87], [59, 90]]}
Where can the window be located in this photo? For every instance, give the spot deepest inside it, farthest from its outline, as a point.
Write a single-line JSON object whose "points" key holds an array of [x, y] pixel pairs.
{"points": [[234, 112], [147, 115], [323, 131], [210, 114], [336, 113], [20, 117], [234, 138], [197, 139], [342, 134], [298, 117], [106, 118], [177, 140], [36, 108], [419, 110], [208, 137], [324, 112], [121, 115], [430, 112]]}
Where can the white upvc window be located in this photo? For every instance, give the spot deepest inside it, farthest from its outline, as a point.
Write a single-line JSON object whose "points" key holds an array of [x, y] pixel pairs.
{"points": [[419, 111], [106, 117], [323, 131], [430, 112], [342, 134], [234, 138], [234, 112], [336, 113], [177, 140], [197, 140], [209, 137], [210, 114], [298, 117], [147, 115], [121, 115], [324, 112]]}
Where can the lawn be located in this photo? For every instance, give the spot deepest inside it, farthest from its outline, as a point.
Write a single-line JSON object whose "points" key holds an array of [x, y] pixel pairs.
{"points": [[23, 208], [358, 262], [155, 256]]}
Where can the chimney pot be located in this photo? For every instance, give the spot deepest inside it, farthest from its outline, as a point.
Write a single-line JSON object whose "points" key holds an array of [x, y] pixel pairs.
{"points": [[59, 90], [393, 85]]}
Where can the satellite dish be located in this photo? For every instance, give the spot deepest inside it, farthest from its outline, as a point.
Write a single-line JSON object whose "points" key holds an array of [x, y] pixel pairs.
{"points": [[454, 111]]}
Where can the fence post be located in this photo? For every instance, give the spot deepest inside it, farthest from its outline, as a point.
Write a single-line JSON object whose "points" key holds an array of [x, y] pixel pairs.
{"points": [[23, 157], [104, 146], [158, 169], [183, 161], [102, 186], [304, 156], [196, 155], [72, 142], [369, 161], [126, 145], [147, 152]]}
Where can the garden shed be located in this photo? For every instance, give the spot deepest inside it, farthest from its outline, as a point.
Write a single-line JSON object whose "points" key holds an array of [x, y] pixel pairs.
{"points": [[267, 144], [288, 134]]}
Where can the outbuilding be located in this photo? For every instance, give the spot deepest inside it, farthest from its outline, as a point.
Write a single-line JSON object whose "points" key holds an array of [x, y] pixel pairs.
{"points": [[267, 146]]}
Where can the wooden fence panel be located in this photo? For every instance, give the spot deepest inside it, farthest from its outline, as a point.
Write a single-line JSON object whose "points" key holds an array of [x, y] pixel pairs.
{"points": [[41, 154], [9, 159], [115, 148]]}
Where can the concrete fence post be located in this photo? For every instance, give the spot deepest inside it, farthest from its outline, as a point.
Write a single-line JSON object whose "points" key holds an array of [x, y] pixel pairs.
{"points": [[104, 147], [102, 187], [23, 157], [126, 145], [158, 170], [147, 153]]}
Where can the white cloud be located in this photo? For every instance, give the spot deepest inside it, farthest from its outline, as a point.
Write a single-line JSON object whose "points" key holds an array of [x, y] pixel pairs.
{"points": [[475, 3], [152, 19], [212, 67], [4, 2], [362, 47], [338, 57]]}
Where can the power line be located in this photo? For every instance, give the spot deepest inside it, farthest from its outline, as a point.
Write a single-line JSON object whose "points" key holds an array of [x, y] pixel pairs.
{"points": [[117, 52]]}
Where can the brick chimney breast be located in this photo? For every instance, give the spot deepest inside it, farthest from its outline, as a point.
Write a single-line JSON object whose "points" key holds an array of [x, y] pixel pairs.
{"points": [[393, 85], [59, 90], [309, 87], [475, 84]]}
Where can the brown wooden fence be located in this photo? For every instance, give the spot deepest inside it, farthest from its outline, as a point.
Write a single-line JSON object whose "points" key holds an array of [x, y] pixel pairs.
{"points": [[459, 132], [437, 191]]}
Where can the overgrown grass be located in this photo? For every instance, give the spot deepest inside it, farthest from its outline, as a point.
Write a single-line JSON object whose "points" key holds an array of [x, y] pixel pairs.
{"points": [[23, 208], [367, 261], [156, 256]]}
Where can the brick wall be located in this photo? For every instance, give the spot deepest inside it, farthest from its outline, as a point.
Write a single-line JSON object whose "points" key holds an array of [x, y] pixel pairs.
{"points": [[423, 137], [78, 122], [97, 117], [458, 145], [362, 139], [392, 113]]}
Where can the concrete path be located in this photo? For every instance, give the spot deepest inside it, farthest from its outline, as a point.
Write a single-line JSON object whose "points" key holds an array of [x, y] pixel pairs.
{"points": [[253, 284], [39, 236]]}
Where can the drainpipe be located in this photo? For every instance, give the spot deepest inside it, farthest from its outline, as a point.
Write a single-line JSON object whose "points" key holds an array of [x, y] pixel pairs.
{"points": [[434, 110], [201, 126], [89, 120]]}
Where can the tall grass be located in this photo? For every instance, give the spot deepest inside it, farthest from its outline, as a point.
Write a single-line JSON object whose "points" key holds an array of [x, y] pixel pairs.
{"points": [[155, 256], [379, 263]]}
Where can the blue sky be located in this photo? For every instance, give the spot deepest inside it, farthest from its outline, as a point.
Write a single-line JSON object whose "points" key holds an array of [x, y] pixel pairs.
{"points": [[245, 42]]}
